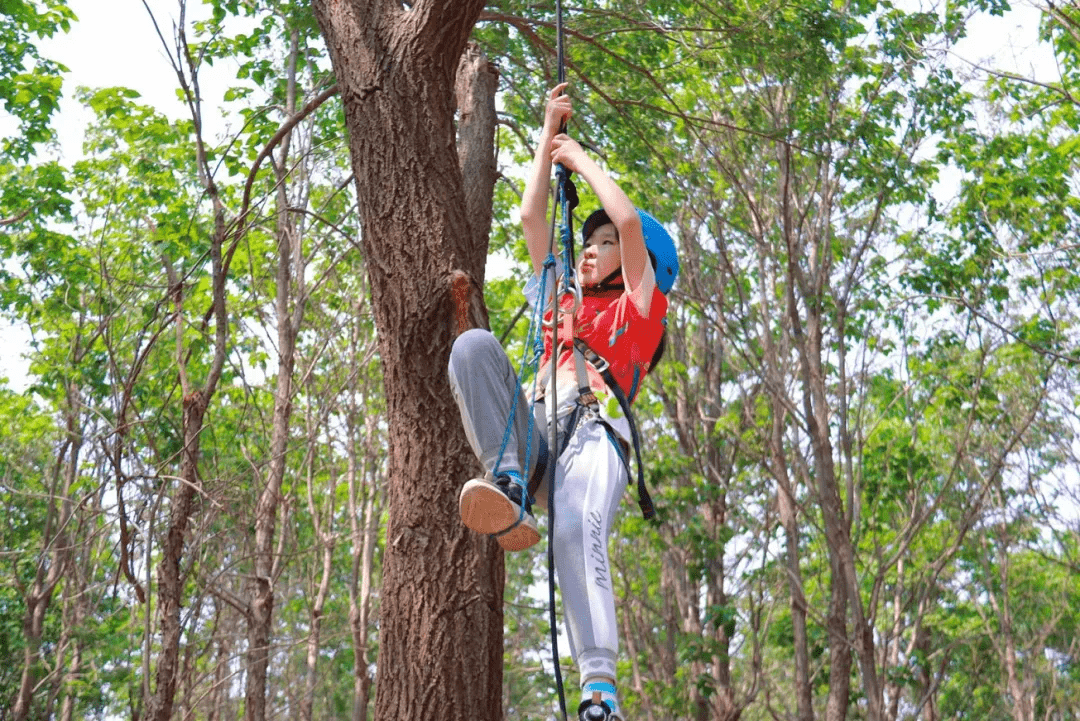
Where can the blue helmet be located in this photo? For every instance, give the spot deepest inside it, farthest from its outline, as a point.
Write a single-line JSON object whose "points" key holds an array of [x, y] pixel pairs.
{"points": [[662, 253]]}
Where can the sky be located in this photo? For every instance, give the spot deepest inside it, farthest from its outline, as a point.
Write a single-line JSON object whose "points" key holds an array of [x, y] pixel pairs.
{"points": [[115, 43]]}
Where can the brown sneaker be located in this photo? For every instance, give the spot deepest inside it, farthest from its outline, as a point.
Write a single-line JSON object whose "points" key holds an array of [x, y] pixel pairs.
{"points": [[494, 508]]}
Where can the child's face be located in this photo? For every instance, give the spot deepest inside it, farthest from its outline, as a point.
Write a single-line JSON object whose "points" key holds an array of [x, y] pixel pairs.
{"points": [[601, 256]]}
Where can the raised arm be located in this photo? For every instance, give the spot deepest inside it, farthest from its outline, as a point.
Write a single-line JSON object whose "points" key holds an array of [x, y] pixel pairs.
{"points": [[635, 258], [534, 201]]}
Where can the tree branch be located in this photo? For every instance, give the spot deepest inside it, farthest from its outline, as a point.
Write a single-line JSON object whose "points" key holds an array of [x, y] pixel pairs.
{"points": [[239, 225], [15, 218]]}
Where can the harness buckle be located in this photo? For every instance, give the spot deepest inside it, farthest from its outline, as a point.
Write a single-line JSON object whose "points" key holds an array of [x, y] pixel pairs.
{"points": [[599, 363]]}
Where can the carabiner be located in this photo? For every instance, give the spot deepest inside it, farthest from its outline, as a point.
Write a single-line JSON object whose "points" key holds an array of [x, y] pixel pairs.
{"points": [[573, 288]]}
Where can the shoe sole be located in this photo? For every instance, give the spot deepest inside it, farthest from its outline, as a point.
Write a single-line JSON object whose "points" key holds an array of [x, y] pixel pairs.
{"points": [[486, 509], [523, 535]]}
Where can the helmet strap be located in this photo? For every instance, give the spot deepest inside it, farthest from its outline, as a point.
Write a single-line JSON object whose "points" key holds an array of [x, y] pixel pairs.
{"points": [[609, 283]]}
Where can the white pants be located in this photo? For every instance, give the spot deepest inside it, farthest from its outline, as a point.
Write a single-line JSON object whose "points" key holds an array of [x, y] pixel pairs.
{"points": [[590, 480]]}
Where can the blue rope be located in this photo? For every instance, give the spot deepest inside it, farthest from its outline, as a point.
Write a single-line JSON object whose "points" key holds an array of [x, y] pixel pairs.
{"points": [[535, 338], [566, 200]]}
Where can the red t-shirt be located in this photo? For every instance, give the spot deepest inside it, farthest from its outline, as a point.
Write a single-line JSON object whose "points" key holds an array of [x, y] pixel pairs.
{"points": [[611, 324]]}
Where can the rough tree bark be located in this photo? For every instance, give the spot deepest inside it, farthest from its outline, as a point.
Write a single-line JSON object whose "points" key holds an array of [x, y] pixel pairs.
{"points": [[440, 650], [807, 330]]}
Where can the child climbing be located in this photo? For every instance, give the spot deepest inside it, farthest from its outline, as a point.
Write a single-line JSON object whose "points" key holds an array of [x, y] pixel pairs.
{"points": [[627, 265]]}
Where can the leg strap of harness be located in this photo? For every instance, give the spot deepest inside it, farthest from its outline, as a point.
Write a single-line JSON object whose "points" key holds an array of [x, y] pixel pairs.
{"points": [[542, 459], [543, 453]]}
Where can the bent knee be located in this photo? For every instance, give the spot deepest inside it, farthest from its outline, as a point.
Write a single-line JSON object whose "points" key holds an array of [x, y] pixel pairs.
{"points": [[471, 344]]}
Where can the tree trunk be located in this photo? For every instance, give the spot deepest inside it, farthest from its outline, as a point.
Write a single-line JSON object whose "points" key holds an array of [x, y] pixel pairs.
{"points": [[440, 650], [789, 520], [807, 340], [195, 404], [315, 634], [364, 511], [725, 704], [325, 540], [170, 578], [1023, 706], [37, 603], [55, 556], [290, 265], [67, 703], [196, 401], [925, 682], [76, 609], [218, 700], [811, 248], [475, 86]]}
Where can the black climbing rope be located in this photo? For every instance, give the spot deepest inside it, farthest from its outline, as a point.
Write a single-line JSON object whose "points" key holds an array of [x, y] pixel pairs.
{"points": [[565, 201]]}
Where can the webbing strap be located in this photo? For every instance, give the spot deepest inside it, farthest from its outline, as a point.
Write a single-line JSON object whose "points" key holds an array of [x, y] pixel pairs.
{"points": [[586, 398], [585, 394]]}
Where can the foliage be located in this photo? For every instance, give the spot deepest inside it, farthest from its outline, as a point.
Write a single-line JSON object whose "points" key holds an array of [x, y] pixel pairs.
{"points": [[29, 83]]}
